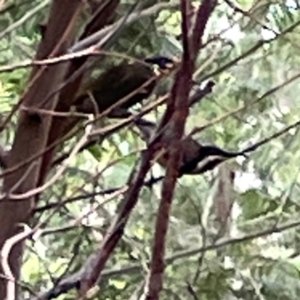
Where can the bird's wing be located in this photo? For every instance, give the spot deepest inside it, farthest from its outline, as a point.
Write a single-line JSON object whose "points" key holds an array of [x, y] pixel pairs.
{"points": [[127, 76], [119, 81]]}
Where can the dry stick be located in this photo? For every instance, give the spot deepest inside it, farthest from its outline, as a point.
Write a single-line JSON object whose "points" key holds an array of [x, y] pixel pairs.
{"points": [[103, 114], [59, 129], [195, 98], [40, 71], [103, 42], [159, 102], [72, 199], [78, 147], [78, 221], [58, 173], [89, 274], [106, 131], [22, 215], [116, 229], [105, 34], [97, 262], [122, 123], [91, 51], [107, 111], [51, 61], [178, 102], [94, 38], [53, 113], [246, 150], [5, 251]]}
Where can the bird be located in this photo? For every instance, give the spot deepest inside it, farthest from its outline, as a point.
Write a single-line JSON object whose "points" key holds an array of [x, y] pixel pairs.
{"points": [[119, 81], [207, 158], [196, 158]]}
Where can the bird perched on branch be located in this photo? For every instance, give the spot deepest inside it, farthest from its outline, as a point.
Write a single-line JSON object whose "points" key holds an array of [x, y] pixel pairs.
{"points": [[196, 158], [135, 81]]}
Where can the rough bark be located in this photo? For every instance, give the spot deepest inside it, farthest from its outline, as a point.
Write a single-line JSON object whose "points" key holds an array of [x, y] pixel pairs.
{"points": [[101, 18], [32, 131]]}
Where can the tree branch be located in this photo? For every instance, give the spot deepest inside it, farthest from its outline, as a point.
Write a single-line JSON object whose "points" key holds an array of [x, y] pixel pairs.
{"points": [[99, 35], [174, 122], [31, 134]]}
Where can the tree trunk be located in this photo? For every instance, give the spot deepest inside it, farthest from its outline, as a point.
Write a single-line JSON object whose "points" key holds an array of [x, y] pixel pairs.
{"points": [[32, 131]]}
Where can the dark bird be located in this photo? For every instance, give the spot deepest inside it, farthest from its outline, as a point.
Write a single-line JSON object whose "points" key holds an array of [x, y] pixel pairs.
{"points": [[196, 158], [206, 159], [119, 81]]}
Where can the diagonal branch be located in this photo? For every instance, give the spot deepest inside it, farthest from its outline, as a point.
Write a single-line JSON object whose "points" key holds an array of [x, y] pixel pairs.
{"points": [[174, 123], [98, 35], [90, 272]]}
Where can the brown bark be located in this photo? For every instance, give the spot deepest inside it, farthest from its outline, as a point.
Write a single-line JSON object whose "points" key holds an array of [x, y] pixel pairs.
{"points": [[60, 126], [174, 121], [32, 131]]}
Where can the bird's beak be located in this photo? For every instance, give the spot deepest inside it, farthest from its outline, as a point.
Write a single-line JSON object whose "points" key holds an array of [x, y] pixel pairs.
{"points": [[170, 66]]}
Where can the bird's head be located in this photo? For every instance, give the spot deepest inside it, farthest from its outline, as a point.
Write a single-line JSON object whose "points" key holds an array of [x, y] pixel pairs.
{"points": [[162, 62]]}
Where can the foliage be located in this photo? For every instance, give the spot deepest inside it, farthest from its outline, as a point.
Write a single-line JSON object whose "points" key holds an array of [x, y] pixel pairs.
{"points": [[265, 192]]}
